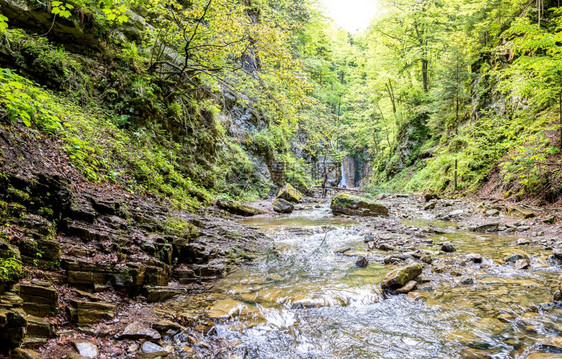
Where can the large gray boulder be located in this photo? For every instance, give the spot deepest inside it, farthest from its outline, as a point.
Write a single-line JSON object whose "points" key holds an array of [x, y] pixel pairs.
{"points": [[352, 205]]}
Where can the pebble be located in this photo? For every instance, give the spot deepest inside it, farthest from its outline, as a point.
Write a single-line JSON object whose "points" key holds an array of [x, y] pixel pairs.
{"points": [[362, 262], [448, 247]]}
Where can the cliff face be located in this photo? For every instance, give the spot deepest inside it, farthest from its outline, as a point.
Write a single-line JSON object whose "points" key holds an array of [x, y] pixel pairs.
{"points": [[90, 249]]}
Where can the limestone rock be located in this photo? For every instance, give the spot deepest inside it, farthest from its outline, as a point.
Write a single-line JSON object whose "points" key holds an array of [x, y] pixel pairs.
{"points": [[492, 213], [238, 208], [85, 348], [83, 312], [39, 300], [152, 350], [407, 288], [359, 206], [518, 211], [138, 330], [401, 276], [290, 193], [484, 228], [20, 353], [281, 205]]}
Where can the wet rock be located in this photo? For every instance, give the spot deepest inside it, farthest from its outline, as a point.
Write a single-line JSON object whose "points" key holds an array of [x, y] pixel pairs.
{"points": [[385, 247], [522, 264], [429, 206], [518, 211], [84, 312], [455, 214], [348, 204], [162, 293], [410, 286], [430, 196], [514, 257], [492, 213], [238, 208], [549, 219], [448, 247], [164, 326], [281, 205], [523, 242], [474, 257], [39, 300], [544, 356], [138, 330], [362, 262], [290, 193], [557, 253], [85, 348], [485, 228], [392, 259], [401, 276], [40, 329], [152, 350], [341, 250], [20, 353], [472, 353], [13, 326]]}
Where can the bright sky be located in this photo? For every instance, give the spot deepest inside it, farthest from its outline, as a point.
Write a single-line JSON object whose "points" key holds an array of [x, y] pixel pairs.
{"points": [[351, 15]]}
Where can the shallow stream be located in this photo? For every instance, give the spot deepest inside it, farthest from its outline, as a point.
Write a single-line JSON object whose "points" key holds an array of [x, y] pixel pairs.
{"points": [[307, 300]]}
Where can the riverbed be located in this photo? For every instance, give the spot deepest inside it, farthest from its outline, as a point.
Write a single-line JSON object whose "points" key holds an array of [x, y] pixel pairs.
{"points": [[490, 298]]}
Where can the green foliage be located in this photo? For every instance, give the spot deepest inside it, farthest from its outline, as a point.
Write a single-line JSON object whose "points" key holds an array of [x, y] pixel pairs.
{"points": [[3, 23], [11, 270], [61, 9]]}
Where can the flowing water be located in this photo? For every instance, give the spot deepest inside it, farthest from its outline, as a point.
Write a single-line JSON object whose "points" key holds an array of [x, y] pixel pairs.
{"points": [[306, 301]]}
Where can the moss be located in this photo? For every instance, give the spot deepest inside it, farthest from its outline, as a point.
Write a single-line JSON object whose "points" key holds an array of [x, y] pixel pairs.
{"points": [[17, 195], [177, 226], [45, 212], [11, 270]]}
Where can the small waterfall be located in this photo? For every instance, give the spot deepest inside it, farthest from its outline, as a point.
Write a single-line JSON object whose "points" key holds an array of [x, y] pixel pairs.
{"points": [[343, 182]]}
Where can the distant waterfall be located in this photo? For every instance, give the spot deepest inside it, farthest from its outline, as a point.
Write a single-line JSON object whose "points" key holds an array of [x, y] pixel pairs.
{"points": [[343, 182]]}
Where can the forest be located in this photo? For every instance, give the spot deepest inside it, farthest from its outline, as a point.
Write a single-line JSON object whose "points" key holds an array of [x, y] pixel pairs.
{"points": [[136, 134]]}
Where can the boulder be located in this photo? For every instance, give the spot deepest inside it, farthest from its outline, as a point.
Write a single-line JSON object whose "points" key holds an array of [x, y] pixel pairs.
{"points": [[83, 312], [357, 206], [152, 350], [20, 353], [282, 206], [492, 213], [39, 300], [398, 278], [448, 247], [290, 194], [138, 330], [238, 208], [518, 211], [407, 288], [86, 348]]}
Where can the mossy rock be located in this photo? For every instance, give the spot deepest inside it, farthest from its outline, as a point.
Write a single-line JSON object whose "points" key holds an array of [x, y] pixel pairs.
{"points": [[344, 203], [282, 206], [238, 208], [290, 193], [401, 276]]}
